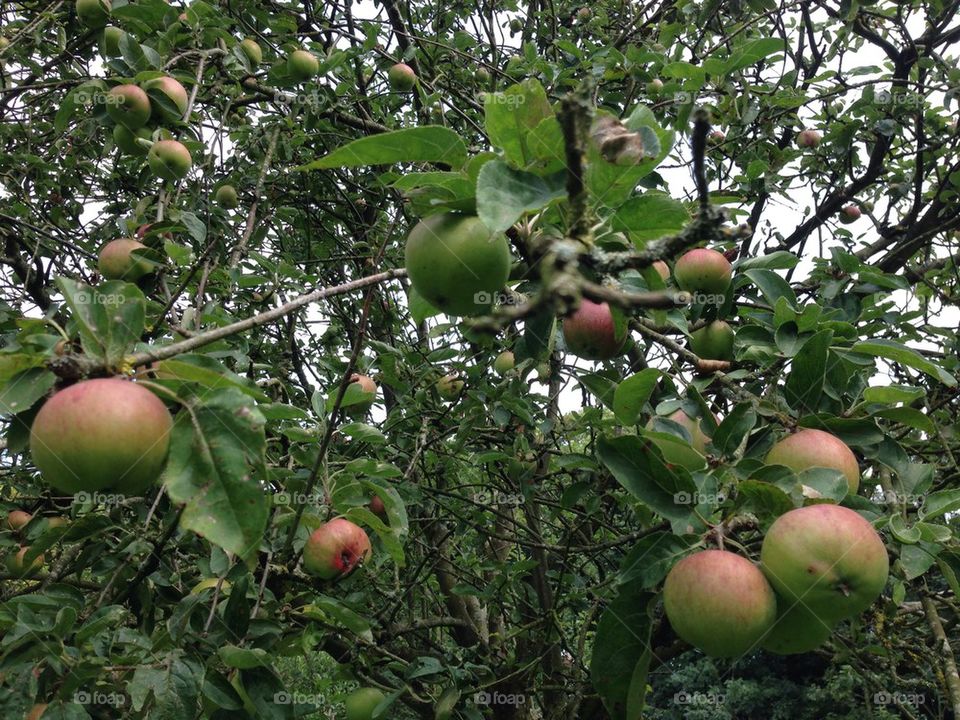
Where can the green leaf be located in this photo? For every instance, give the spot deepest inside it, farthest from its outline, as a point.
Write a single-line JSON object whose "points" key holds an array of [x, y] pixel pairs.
{"points": [[804, 386], [601, 386], [734, 428], [215, 468], [940, 503], [420, 309], [649, 561], [109, 318], [633, 393], [649, 217], [504, 194], [778, 260], [642, 472], [174, 683], [772, 286], [244, 658], [752, 53], [898, 527], [621, 652], [509, 116], [828, 482], [893, 394], [895, 352], [207, 372], [330, 610], [908, 416], [430, 143], [24, 389]]}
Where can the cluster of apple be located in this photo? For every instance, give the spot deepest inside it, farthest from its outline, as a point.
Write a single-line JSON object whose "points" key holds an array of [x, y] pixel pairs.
{"points": [[17, 564]]}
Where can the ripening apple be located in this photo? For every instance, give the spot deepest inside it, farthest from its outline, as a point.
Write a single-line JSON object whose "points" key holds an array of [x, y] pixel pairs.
{"points": [[302, 65], [663, 270], [808, 138], [169, 159], [809, 448], [402, 77], [456, 263], [716, 137], [252, 50], [56, 521], [93, 13], [703, 270], [719, 602], [335, 548], [17, 565], [698, 439], [796, 630], [655, 86], [584, 14], [110, 42], [482, 76], [18, 519], [593, 333], [99, 434], [516, 25], [449, 387], [226, 196], [713, 341], [504, 363], [37, 711], [377, 507], [827, 557], [173, 91], [369, 387], [126, 139], [128, 105], [850, 214], [117, 261], [361, 703]]}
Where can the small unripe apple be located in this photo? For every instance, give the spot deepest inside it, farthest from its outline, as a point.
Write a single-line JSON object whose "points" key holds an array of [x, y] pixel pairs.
{"points": [[482, 76], [810, 448], [110, 43], [584, 14], [808, 138], [335, 548], [377, 507], [226, 196], [591, 332], [369, 387], [17, 566], [449, 387], [93, 13], [302, 65], [117, 262], [56, 521], [516, 25], [655, 86], [849, 214], [663, 270], [713, 341], [173, 91], [99, 434], [402, 77], [169, 159], [716, 137], [504, 363], [129, 106], [361, 703], [719, 602], [543, 372], [126, 140], [18, 519], [703, 270], [36, 712], [252, 50], [658, 47]]}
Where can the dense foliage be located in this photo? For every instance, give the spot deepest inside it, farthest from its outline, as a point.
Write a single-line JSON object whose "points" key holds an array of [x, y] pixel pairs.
{"points": [[522, 514]]}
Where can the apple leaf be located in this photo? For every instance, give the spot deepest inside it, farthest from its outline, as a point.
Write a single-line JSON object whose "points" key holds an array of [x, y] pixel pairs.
{"points": [[514, 113], [431, 144], [109, 318], [804, 387], [649, 217], [734, 428], [24, 389], [174, 683], [895, 352], [633, 393], [621, 652], [215, 468], [504, 194], [326, 609]]}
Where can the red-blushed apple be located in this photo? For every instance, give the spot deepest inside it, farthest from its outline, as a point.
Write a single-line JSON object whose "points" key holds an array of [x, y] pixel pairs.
{"points": [[592, 332], [809, 448], [361, 703], [93, 13], [504, 363], [169, 159], [850, 214], [17, 565], [796, 630], [456, 263], [335, 548], [808, 138], [719, 602], [716, 137], [369, 388], [99, 434], [173, 91], [18, 519], [116, 261], [377, 507], [402, 77], [37, 711], [703, 270], [663, 270], [449, 387], [129, 106], [713, 341], [252, 50], [302, 65], [827, 557]]}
